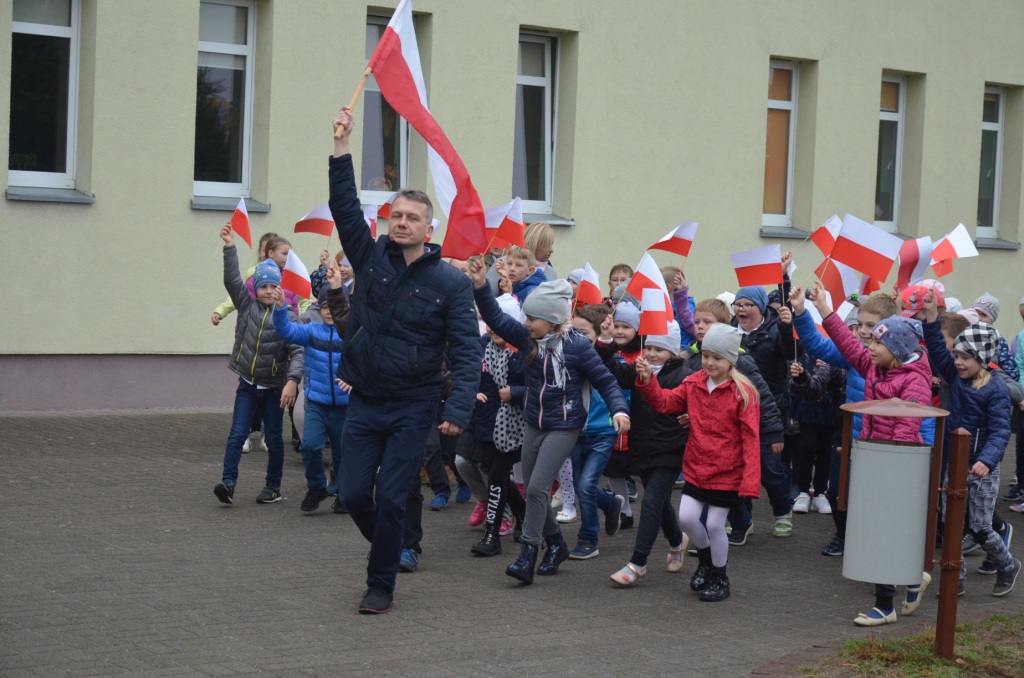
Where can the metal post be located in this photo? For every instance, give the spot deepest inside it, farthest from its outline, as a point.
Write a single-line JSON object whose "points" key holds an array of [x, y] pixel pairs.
{"points": [[935, 487], [952, 543]]}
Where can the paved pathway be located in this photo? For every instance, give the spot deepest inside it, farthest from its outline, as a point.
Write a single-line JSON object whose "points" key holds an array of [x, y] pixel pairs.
{"points": [[116, 558]]}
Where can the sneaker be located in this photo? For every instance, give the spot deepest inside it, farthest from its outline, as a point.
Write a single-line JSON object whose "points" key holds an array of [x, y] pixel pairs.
{"points": [[1018, 508], [339, 507], [246, 447], [1016, 494], [961, 589], [802, 503], [613, 517], [479, 514], [626, 522], [269, 495], [821, 505], [970, 546], [783, 526], [1005, 580], [410, 561], [1006, 534], [507, 527], [987, 567], [263, 444], [739, 536], [226, 493], [376, 601], [312, 500], [463, 494], [631, 489], [835, 547], [439, 502], [679, 481], [584, 550]]}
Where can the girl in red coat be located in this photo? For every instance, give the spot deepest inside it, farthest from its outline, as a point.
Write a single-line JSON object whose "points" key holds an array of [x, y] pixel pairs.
{"points": [[722, 463]]}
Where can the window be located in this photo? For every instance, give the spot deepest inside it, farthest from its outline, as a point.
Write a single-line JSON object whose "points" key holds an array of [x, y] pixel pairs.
{"points": [[991, 162], [385, 160], [890, 152], [533, 159], [224, 98], [780, 144], [44, 94]]}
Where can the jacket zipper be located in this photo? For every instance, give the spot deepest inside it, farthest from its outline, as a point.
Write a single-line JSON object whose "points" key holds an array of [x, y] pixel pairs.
{"points": [[540, 396], [259, 338]]}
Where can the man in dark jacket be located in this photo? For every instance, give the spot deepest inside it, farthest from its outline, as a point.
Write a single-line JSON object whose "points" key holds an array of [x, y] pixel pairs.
{"points": [[407, 305]]}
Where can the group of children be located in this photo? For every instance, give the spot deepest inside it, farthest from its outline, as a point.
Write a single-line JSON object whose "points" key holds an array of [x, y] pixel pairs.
{"points": [[726, 401]]}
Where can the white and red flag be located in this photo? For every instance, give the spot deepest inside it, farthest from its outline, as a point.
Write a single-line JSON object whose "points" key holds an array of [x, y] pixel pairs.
{"points": [[370, 215], [866, 248], [956, 245], [240, 222], [505, 225], [646, 276], [915, 255], [942, 268], [655, 312], [295, 277], [825, 235], [678, 240], [384, 211], [843, 311], [759, 266], [589, 291], [840, 280], [395, 64], [868, 286], [318, 220]]}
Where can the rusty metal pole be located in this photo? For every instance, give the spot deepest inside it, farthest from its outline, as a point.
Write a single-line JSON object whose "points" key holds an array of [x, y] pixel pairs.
{"points": [[933, 494], [952, 543]]}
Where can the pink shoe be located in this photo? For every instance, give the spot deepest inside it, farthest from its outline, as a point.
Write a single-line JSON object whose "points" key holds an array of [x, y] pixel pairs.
{"points": [[1018, 508], [479, 514], [507, 527]]}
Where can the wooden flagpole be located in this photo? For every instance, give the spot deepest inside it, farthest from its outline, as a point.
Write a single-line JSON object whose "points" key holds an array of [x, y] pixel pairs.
{"points": [[355, 97]]}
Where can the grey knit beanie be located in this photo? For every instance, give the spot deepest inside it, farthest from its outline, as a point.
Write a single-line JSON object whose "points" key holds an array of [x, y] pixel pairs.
{"points": [[724, 340], [626, 312], [988, 304], [550, 301], [669, 342]]}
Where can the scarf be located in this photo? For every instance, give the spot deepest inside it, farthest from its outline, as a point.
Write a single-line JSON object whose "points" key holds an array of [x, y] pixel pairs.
{"points": [[551, 344]]}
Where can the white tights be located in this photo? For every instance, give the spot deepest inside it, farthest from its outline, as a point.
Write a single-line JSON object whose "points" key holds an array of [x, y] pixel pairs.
{"points": [[712, 535]]}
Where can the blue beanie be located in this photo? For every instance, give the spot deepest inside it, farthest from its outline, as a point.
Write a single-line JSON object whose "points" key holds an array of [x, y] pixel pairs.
{"points": [[755, 294], [627, 313], [267, 273]]}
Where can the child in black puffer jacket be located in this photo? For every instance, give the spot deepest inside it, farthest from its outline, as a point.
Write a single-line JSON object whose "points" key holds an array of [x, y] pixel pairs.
{"points": [[816, 389]]}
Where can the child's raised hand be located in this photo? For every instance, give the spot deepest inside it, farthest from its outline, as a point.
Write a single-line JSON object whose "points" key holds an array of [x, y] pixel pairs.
{"points": [[324, 257], [334, 275], [607, 327], [785, 316], [787, 259], [505, 285], [279, 297], [820, 300], [477, 271], [931, 306], [796, 369], [226, 235], [678, 282], [796, 300], [643, 370]]}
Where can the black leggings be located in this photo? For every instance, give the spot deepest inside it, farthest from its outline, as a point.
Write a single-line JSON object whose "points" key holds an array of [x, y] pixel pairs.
{"points": [[501, 489]]}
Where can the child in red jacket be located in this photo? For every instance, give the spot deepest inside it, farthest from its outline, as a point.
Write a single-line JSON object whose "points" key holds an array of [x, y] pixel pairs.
{"points": [[722, 463]]}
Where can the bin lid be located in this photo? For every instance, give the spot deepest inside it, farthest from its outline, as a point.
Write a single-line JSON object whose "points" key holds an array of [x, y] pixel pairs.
{"points": [[894, 407]]}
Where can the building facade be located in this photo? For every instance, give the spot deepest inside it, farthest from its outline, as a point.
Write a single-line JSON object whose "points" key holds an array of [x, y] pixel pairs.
{"points": [[136, 125]]}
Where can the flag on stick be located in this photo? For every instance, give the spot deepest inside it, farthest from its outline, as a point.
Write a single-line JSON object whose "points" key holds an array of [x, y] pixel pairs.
{"points": [[678, 240], [839, 279], [956, 245], [396, 66], [295, 277], [646, 276], [318, 220], [589, 291], [505, 225], [655, 312], [915, 255], [866, 248], [825, 235], [384, 211], [240, 222], [868, 286], [370, 216], [942, 268], [759, 266]]}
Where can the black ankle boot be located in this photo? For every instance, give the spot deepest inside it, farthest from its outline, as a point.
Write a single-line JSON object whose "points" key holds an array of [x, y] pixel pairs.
{"points": [[718, 586], [490, 545], [522, 568], [556, 554], [699, 580], [517, 531]]}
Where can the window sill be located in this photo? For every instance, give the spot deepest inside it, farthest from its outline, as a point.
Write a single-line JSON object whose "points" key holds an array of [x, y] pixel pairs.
{"points": [[996, 244], [202, 202], [34, 194], [552, 219], [783, 232]]}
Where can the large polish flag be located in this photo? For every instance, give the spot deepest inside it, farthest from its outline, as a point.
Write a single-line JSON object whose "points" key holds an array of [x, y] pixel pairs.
{"points": [[678, 240], [395, 64], [647, 275], [370, 213], [825, 235], [840, 280], [240, 222], [956, 245], [866, 248], [759, 266], [318, 220], [589, 291], [915, 255], [655, 312], [505, 225], [295, 277]]}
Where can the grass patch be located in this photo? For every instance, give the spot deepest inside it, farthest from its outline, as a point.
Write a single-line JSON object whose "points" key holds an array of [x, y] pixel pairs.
{"points": [[993, 647]]}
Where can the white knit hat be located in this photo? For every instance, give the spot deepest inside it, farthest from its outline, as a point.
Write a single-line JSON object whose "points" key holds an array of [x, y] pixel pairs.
{"points": [[669, 342]]}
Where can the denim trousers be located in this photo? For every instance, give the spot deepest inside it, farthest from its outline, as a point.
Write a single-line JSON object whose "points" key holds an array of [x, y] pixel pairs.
{"points": [[249, 402], [776, 485], [589, 456], [381, 452], [323, 422]]}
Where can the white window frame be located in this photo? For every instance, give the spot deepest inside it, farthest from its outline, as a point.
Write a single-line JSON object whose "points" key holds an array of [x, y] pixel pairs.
{"points": [[786, 220], [899, 119], [380, 197], [64, 179], [218, 189], [551, 45], [997, 127]]}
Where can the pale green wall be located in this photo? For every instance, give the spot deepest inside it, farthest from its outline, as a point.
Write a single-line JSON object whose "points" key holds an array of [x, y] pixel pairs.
{"points": [[662, 108]]}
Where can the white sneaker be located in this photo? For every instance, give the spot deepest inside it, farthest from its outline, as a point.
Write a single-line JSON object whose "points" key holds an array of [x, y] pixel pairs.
{"points": [[564, 517], [556, 500], [246, 446], [803, 503], [263, 444], [820, 504]]}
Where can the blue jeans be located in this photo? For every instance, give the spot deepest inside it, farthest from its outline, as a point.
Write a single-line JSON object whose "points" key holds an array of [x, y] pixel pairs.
{"points": [[322, 422], [589, 457], [381, 453], [776, 485], [250, 401]]}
